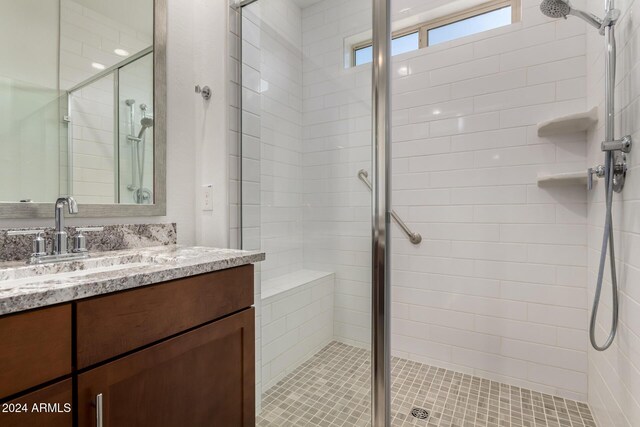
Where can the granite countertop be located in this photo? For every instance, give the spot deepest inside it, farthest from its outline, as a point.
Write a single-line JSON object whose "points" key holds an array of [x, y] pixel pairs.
{"points": [[25, 287]]}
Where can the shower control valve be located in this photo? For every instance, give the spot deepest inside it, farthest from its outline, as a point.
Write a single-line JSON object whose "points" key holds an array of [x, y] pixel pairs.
{"points": [[598, 171]]}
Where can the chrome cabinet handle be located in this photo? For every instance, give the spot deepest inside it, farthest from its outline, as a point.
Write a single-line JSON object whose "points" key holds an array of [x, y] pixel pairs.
{"points": [[99, 410]]}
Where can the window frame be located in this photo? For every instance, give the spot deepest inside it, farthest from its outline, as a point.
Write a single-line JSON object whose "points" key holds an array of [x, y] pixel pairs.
{"points": [[424, 28]]}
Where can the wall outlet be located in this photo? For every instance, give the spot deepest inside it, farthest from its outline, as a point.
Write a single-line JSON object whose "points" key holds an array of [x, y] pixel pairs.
{"points": [[207, 198]]}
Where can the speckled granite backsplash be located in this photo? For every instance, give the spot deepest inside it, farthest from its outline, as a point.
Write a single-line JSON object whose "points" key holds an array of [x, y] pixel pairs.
{"points": [[114, 237]]}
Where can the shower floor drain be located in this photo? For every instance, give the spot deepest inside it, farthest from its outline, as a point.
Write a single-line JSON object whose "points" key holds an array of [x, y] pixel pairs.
{"points": [[419, 413]]}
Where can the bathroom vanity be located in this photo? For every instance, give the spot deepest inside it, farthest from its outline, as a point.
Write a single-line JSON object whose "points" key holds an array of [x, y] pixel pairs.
{"points": [[153, 337]]}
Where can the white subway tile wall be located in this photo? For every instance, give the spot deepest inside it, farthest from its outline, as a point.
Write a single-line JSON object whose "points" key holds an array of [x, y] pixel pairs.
{"points": [[337, 144], [614, 375], [136, 83], [92, 131], [502, 283], [245, 165], [88, 37], [498, 286], [297, 321], [280, 87]]}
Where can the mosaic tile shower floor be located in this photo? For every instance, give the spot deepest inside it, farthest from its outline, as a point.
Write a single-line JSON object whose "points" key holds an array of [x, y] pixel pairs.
{"points": [[332, 389]]}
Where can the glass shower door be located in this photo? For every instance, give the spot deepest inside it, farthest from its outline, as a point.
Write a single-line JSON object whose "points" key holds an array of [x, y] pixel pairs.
{"points": [[305, 125]]}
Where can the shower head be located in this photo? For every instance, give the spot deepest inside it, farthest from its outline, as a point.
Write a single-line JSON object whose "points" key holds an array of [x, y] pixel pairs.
{"points": [[562, 8], [555, 8], [146, 123]]}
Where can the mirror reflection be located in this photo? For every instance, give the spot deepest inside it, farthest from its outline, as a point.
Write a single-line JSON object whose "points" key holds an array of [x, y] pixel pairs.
{"points": [[76, 101]]}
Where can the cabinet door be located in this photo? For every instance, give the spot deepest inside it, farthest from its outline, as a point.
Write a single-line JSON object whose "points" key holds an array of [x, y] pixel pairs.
{"points": [[35, 348], [204, 377], [139, 317], [47, 407]]}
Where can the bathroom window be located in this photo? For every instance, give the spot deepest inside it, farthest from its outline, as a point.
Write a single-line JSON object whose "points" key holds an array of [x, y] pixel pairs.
{"points": [[473, 20], [400, 44]]}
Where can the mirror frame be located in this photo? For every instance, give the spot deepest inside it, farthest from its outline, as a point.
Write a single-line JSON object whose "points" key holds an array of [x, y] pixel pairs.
{"points": [[159, 207]]}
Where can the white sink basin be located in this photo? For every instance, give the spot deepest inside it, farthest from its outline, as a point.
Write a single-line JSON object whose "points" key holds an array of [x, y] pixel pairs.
{"points": [[96, 263], [67, 275], [101, 262]]}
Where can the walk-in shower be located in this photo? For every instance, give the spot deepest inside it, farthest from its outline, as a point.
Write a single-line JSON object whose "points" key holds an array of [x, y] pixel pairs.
{"points": [[614, 169], [493, 237]]}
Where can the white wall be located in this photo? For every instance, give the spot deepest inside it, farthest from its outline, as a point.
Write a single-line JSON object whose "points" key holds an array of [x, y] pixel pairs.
{"points": [[297, 321], [30, 128], [337, 143], [498, 287], [246, 188], [135, 83], [281, 137], [88, 36], [614, 375], [92, 132], [210, 50], [32, 63]]}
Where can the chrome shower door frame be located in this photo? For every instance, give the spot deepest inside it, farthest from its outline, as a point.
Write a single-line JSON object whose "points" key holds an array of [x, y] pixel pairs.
{"points": [[381, 206], [381, 217]]}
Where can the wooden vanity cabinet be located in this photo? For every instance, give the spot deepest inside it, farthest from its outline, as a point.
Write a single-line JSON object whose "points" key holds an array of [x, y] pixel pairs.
{"points": [[201, 378], [179, 353], [49, 406], [36, 347], [114, 324]]}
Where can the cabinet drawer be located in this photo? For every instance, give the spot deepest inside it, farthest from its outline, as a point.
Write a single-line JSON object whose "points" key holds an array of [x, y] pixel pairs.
{"points": [[53, 406], [36, 348], [111, 325], [204, 377]]}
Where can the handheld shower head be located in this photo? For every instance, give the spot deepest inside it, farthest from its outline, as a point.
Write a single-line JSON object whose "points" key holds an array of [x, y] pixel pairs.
{"points": [[562, 8], [555, 8], [146, 123]]}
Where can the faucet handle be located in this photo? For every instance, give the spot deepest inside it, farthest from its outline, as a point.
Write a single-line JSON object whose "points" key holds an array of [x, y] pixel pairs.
{"points": [[80, 241], [24, 232], [598, 171], [89, 229], [39, 242]]}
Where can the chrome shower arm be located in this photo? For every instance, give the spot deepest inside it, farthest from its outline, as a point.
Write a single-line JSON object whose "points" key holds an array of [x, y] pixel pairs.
{"points": [[589, 18]]}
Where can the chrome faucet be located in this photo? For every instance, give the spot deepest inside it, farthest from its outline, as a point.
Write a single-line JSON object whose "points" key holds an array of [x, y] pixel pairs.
{"points": [[60, 237], [60, 245]]}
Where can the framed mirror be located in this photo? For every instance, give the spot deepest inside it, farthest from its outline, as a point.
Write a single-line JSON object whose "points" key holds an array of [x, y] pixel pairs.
{"points": [[83, 107]]}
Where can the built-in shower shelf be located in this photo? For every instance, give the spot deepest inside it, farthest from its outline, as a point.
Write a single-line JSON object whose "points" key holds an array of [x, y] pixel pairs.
{"points": [[573, 123], [563, 178]]}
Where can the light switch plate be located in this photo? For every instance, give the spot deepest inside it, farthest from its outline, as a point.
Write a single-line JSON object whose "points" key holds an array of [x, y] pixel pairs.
{"points": [[207, 198]]}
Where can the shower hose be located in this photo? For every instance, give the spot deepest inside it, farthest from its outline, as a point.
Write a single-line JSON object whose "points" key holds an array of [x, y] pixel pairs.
{"points": [[606, 240]]}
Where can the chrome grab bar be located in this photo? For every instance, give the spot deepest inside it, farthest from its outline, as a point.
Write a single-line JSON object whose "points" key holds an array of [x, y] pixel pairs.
{"points": [[415, 238]]}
